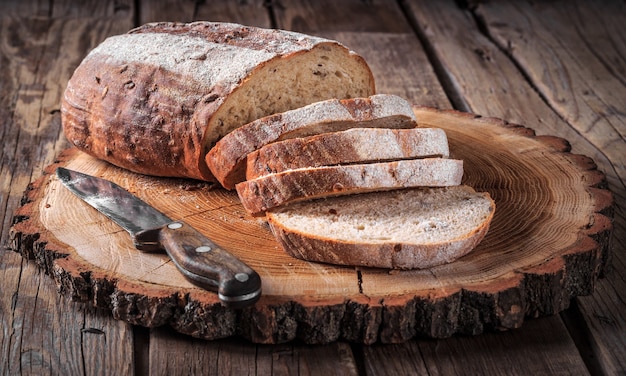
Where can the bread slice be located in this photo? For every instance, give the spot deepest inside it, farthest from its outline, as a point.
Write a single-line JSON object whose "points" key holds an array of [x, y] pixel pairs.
{"points": [[402, 229], [267, 192], [357, 145], [227, 160], [156, 99]]}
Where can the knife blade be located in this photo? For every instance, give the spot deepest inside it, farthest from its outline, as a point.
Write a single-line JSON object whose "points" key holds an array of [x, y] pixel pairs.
{"points": [[199, 259]]}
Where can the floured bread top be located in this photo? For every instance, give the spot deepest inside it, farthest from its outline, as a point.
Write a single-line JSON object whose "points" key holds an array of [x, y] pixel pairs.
{"points": [[181, 54], [274, 41], [155, 100]]}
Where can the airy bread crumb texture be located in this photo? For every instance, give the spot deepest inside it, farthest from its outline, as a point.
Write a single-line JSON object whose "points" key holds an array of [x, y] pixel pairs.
{"points": [[428, 215], [326, 71], [404, 229]]}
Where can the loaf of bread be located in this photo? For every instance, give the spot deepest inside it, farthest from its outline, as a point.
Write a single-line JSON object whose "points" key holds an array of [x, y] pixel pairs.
{"points": [[155, 100], [197, 100], [402, 229], [227, 160], [273, 190], [357, 145]]}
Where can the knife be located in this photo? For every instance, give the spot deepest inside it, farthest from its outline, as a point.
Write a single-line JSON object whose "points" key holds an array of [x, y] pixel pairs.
{"points": [[200, 260]]}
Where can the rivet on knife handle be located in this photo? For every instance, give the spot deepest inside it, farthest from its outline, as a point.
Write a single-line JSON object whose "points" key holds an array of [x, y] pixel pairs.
{"points": [[206, 264]]}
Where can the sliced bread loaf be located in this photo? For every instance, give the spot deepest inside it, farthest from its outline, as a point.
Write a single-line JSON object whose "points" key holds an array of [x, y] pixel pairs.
{"points": [[227, 160], [357, 145], [155, 100], [403, 229], [269, 191]]}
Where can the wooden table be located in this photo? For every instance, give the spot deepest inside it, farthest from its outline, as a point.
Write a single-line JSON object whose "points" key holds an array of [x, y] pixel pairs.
{"points": [[557, 67]]}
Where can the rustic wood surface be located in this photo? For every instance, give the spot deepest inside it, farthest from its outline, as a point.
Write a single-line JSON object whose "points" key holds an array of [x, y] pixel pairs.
{"points": [[556, 67], [547, 243]]}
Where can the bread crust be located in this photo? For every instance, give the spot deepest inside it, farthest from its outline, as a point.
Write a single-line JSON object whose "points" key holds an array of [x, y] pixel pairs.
{"points": [[392, 255], [267, 192], [147, 100], [389, 255], [227, 160], [357, 145]]}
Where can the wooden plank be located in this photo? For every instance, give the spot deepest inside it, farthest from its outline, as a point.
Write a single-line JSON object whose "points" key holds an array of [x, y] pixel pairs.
{"points": [[582, 79], [249, 12], [253, 13], [573, 53], [403, 70], [529, 351], [375, 30], [604, 325], [485, 82], [543, 346], [488, 83], [51, 335], [41, 44], [496, 87], [311, 17], [173, 354], [106, 345], [166, 10]]}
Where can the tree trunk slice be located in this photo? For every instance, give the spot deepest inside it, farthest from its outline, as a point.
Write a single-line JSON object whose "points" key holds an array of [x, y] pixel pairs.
{"points": [[548, 242]]}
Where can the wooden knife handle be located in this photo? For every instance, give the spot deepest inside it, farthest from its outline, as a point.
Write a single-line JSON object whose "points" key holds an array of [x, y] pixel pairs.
{"points": [[207, 265]]}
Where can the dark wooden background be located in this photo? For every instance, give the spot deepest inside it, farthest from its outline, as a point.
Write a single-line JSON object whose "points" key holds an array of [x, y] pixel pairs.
{"points": [[558, 67]]}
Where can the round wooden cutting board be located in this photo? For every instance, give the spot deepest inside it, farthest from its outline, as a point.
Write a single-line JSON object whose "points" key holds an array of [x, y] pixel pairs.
{"points": [[548, 242]]}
